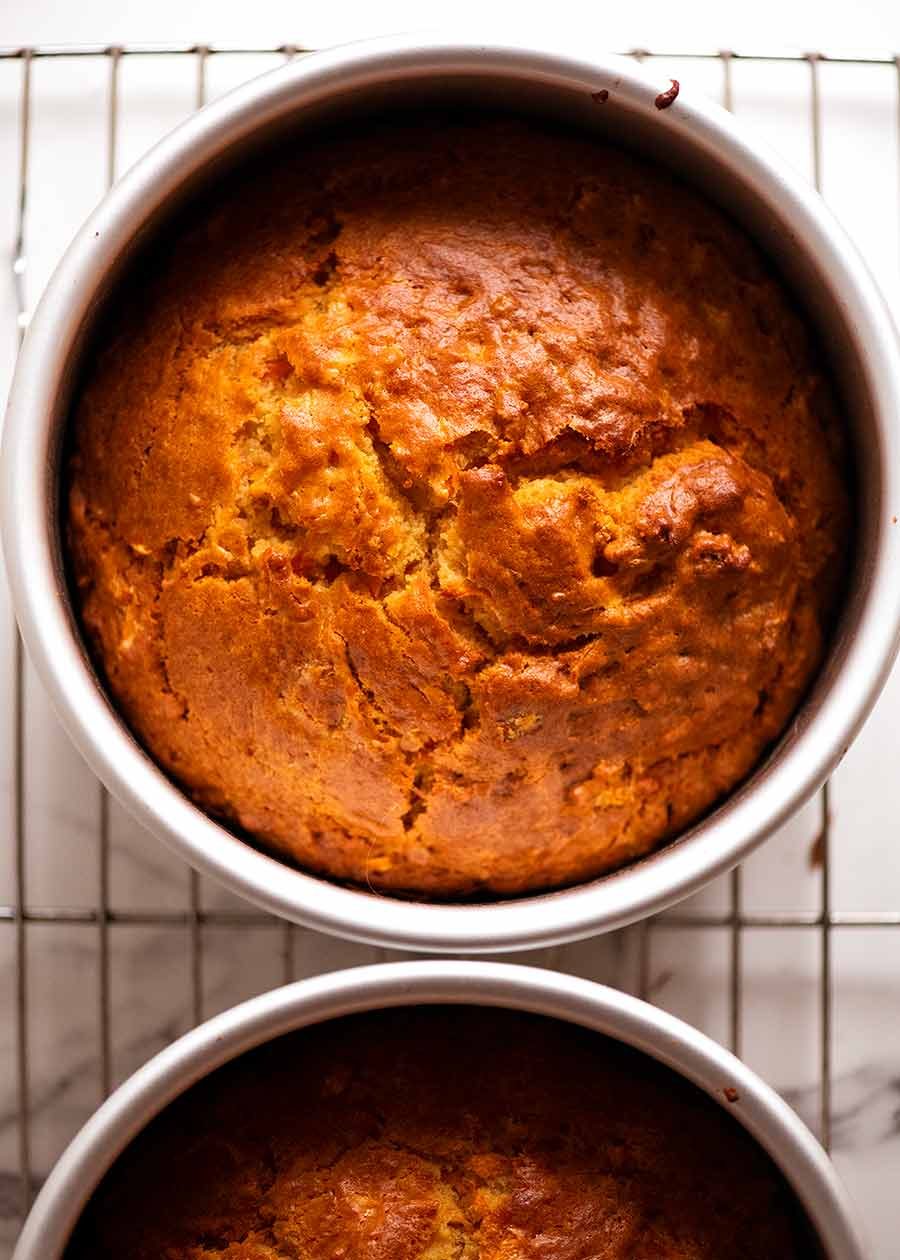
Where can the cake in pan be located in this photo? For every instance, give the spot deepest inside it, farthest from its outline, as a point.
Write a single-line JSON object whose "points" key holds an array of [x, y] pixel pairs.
{"points": [[456, 507], [443, 1134]]}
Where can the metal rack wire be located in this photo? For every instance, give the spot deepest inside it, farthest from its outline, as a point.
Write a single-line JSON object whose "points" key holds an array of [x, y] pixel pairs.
{"points": [[21, 917]]}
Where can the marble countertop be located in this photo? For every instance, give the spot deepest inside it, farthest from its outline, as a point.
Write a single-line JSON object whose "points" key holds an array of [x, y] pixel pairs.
{"points": [[152, 975]]}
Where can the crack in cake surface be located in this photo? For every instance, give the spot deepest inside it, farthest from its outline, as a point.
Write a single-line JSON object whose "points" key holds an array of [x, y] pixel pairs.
{"points": [[458, 505]]}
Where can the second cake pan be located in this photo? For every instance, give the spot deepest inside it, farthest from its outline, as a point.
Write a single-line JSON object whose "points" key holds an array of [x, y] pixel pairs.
{"points": [[804, 1165]]}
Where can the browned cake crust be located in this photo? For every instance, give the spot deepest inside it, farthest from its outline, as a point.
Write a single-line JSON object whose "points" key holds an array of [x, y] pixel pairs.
{"points": [[456, 507], [433, 1134]]}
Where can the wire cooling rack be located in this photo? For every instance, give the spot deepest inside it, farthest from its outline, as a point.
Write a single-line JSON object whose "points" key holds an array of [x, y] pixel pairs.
{"points": [[96, 919]]}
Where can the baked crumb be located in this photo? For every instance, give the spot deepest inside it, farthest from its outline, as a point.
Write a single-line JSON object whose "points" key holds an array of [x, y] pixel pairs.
{"points": [[667, 98]]}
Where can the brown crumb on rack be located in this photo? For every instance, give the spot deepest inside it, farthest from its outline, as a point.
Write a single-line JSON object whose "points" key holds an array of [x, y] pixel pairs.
{"points": [[665, 99], [731, 1094], [817, 851], [601, 98]]}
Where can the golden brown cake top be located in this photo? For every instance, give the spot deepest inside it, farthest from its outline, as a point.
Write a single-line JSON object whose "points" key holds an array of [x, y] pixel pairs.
{"points": [[443, 1134], [457, 506]]}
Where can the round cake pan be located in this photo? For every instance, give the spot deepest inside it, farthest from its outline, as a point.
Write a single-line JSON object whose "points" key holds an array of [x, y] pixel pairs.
{"points": [[618, 100], [805, 1166]]}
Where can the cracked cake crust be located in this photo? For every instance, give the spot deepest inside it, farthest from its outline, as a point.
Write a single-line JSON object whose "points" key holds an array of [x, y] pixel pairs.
{"points": [[460, 510], [452, 1134]]}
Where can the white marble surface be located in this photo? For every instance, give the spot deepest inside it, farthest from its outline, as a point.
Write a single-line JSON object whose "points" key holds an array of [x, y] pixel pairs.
{"points": [[151, 993]]}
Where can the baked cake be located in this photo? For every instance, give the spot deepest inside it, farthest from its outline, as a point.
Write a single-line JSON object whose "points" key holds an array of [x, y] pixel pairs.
{"points": [[456, 507]]}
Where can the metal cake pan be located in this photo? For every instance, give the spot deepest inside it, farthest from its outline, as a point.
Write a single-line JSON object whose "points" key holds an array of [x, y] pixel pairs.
{"points": [[705, 146], [766, 1117]]}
